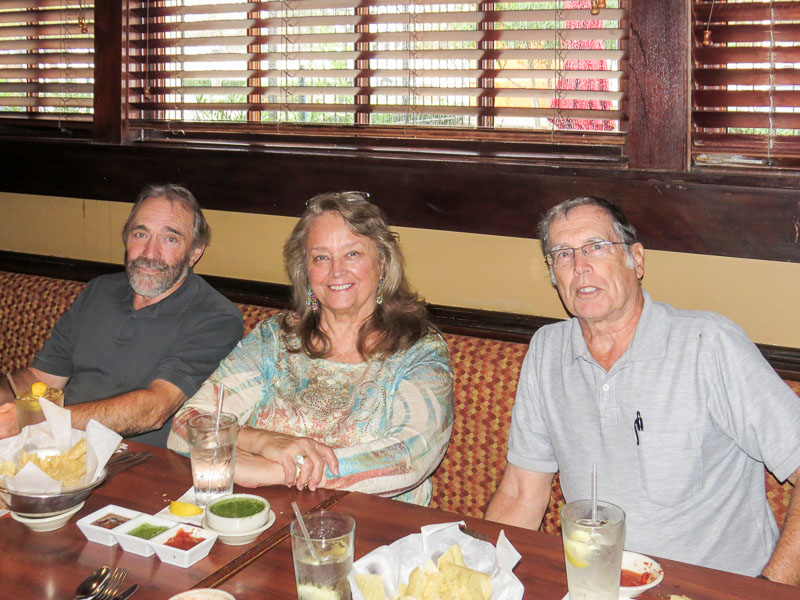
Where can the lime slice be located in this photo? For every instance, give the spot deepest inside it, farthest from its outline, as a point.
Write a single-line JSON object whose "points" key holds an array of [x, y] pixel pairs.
{"points": [[184, 509]]}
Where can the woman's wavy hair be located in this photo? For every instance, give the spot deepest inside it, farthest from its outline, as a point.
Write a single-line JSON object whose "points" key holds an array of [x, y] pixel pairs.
{"points": [[396, 324]]}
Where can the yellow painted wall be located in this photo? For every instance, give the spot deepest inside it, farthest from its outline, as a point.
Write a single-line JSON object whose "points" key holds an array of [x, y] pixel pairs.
{"points": [[453, 269]]}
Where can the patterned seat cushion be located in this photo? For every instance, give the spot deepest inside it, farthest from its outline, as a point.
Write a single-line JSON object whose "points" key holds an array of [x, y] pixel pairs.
{"points": [[29, 307]]}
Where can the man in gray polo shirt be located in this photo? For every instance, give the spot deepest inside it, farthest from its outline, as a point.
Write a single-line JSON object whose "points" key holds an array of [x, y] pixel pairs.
{"points": [[134, 345], [678, 409]]}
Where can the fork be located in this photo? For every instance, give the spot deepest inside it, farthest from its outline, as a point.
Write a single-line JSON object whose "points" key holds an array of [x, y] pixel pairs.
{"points": [[114, 583]]}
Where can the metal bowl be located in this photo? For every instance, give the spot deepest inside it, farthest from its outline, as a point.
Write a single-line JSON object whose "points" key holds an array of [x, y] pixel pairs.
{"points": [[48, 505]]}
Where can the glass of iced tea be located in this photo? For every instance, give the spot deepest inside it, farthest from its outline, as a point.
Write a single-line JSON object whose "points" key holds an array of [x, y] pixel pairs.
{"points": [[29, 409], [322, 562], [593, 549]]}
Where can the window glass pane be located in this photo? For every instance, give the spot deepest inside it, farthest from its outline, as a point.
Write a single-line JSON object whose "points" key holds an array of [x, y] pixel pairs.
{"points": [[46, 59], [535, 65]]}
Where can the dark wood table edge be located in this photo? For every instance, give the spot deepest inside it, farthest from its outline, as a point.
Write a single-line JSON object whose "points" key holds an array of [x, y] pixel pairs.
{"points": [[224, 573]]}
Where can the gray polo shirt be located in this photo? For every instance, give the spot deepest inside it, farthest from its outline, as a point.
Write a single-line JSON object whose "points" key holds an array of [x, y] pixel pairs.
{"points": [[714, 413], [107, 348]]}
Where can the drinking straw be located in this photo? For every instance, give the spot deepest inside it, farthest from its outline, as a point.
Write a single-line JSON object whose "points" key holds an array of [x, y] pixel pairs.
{"points": [[11, 383], [303, 528], [221, 391], [594, 492]]}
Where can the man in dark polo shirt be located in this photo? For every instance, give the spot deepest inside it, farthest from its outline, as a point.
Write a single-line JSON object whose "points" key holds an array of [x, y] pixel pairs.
{"points": [[135, 345]]}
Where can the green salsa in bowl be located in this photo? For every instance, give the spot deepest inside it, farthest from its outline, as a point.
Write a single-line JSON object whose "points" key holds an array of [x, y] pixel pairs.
{"points": [[237, 513]]}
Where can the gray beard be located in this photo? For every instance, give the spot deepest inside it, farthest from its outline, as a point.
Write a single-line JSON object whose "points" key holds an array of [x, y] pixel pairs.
{"points": [[151, 286]]}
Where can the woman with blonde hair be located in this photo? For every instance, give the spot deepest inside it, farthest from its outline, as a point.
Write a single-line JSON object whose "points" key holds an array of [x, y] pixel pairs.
{"points": [[352, 389]]}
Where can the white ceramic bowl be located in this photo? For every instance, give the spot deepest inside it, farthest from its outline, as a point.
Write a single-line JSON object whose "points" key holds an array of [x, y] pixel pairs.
{"points": [[103, 535], [47, 523], [225, 524], [183, 558], [135, 544], [203, 594], [240, 539], [639, 563]]}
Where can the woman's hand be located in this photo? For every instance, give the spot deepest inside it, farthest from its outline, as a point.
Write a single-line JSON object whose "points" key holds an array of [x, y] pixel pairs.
{"points": [[8, 420], [252, 470], [284, 449]]}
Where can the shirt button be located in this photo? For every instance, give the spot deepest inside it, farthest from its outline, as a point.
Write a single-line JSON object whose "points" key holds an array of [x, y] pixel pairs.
{"points": [[605, 387]]}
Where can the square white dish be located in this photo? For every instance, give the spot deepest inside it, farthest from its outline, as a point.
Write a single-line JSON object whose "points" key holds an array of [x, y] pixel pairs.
{"points": [[101, 535], [137, 545], [183, 558]]}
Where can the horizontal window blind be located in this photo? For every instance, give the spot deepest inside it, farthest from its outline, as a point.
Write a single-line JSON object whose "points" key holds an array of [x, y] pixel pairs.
{"points": [[405, 63], [46, 59], [746, 83]]}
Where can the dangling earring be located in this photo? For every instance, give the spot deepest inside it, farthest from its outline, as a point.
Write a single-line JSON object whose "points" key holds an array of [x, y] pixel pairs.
{"points": [[311, 299], [379, 299]]}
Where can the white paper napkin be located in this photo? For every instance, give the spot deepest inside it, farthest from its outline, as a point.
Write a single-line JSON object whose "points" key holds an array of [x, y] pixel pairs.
{"points": [[396, 561], [56, 435]]}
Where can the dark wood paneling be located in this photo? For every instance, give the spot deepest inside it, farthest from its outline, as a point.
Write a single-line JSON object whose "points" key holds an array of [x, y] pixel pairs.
{"points": [[657, 84], [108, 72], [462, 321], [717, 214]]}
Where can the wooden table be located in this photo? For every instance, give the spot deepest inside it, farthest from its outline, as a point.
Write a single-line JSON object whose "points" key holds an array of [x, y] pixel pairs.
{"points": [[44, 566]]}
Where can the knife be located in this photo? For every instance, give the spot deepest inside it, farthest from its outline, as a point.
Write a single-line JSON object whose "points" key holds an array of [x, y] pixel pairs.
{"points": [[127, 593]]}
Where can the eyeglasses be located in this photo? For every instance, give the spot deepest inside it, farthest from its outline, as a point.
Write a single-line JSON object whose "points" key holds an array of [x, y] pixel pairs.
{"points": [[349, 196], [562, 257]]}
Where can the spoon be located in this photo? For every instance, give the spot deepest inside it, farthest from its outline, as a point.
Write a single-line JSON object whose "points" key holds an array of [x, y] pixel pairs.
{"points": [[93, 584]]}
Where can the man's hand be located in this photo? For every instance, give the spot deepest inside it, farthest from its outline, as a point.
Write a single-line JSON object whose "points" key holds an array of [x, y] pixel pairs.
{"points": [[284, 449], [8, 420], [521, 498], [784, 565]]}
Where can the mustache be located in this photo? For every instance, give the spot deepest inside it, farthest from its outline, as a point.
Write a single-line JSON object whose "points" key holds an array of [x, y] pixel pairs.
{"points": [[147, 263]]}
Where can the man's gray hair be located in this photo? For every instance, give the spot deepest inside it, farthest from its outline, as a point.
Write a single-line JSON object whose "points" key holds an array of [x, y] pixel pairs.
{"points": [[619, 223], [201, 231]]}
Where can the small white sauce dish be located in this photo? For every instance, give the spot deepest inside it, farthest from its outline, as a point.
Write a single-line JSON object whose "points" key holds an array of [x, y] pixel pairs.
{"points": [[183, 558], [135, 544], [226, 524], [103, 535], [240, 539], [639, 563], [47, 523]]}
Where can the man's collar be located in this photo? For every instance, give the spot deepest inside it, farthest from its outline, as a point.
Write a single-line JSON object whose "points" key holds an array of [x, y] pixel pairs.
{"points": [[649, 341]]}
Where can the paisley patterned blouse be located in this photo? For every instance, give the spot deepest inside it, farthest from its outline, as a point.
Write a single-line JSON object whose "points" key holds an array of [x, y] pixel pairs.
{"points": [[388, 419]]}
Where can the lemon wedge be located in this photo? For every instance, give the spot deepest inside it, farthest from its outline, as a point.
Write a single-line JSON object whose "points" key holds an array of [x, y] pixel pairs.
{"points": [[184, 509], [39, 388], [578, 547]]}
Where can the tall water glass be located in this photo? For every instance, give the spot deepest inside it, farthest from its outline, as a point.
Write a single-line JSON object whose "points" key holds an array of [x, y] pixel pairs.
{"points": [[321, 564], [593, 549], [212, 448]]}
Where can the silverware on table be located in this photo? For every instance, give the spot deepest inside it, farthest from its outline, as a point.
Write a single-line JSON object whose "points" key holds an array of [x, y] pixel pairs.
{"points": [[125, 460], [110, 590], [93, 584], [127, 593]]}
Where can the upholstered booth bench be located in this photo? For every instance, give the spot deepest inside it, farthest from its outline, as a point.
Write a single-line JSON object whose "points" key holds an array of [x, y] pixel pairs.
{"points": [[486, 373]]}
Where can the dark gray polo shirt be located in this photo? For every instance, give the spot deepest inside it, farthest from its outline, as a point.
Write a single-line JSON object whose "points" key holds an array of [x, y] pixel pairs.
{"points": [[107, 348]]}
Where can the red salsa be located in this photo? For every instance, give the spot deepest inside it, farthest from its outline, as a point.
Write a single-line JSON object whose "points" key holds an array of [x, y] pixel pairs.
{"points": [[633, 579], [183, 540], [110, 521]]}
